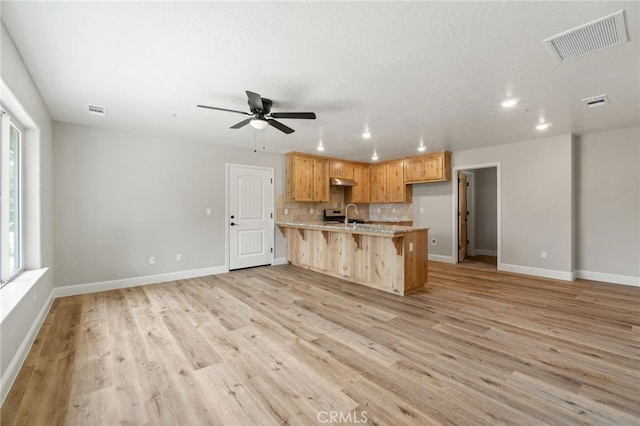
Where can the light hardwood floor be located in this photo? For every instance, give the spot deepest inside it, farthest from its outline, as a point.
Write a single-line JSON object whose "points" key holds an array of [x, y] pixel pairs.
{"points": [[282, 345]]}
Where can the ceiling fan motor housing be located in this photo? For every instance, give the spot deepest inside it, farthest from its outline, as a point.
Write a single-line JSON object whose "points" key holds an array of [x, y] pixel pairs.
{"points": [[266, 107]]}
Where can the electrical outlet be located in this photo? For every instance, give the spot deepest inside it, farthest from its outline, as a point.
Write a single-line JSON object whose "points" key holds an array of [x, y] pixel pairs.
{"points": [[410, 246], [378, 210], [208, 212], [421, 209], [179, 257], [152, 260], [311, 211], [434, 241], [543, 255], [393, 210], [286, 211]]}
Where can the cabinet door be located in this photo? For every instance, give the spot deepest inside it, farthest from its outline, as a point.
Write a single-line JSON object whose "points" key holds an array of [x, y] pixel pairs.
{"points": [[433, 167], [321, 180], [340, 169], [378, 183], [395, 182], [360, 192], [414, 170], [302, 175]]}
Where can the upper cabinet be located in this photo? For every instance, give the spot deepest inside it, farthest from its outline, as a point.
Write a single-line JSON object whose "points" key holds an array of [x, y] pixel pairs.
{"points": [[307, 178], [387, 183], [361, 192], [434, 167], [341, 169]]}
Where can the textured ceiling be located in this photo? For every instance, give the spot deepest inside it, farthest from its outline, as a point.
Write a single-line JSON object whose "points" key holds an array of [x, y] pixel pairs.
{"points": [[435, 71]]}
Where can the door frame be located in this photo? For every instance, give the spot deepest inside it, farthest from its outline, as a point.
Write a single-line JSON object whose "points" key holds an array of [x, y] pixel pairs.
{"points": [[454, 208], [227, 234]]}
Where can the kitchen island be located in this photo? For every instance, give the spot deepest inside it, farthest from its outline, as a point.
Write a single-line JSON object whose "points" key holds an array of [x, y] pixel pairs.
{"points": [[386, 257]]}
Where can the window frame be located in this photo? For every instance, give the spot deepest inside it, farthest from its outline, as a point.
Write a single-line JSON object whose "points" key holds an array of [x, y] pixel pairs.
{"points": [[6, 125]]}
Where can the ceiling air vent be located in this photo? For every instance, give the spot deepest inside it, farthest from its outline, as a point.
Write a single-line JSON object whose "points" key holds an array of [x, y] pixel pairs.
{"points": [[588, 38], [97, 110], [596, 101]]}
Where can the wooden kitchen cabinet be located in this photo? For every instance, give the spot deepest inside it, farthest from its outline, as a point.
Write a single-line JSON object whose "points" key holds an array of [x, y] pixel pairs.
{"points": [[307, 178], [361, 192], [341, 169], [387, 183], [434, 167]]}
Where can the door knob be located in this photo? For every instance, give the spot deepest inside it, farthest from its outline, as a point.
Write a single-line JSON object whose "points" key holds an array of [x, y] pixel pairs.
{"points": [[232, 217], [233, 224]]}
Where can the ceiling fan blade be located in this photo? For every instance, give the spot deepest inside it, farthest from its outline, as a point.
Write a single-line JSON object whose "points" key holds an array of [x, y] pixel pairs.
{"points": [[241, 124], [305, 115], [223, 109], [278, 125], [255, 101]]}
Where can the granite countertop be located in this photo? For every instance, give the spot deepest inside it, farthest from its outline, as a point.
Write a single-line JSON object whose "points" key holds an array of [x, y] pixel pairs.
{"points": [[359, 228]]}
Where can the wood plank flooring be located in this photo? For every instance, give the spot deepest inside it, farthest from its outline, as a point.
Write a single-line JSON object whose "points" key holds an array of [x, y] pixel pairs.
{"points": [[283, 345]]}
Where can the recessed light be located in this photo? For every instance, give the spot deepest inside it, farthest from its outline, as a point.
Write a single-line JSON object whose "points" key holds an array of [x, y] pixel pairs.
{"points": [[366, 134], [320, 146], [543, 126], [508, 103], [421, 147], [374, 157]]}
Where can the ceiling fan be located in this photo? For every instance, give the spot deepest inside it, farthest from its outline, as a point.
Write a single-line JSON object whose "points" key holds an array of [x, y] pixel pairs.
{"points": [[262, 116]]}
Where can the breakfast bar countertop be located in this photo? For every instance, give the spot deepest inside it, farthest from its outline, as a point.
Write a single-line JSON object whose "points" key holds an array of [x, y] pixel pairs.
{"points": [[359, 228]]}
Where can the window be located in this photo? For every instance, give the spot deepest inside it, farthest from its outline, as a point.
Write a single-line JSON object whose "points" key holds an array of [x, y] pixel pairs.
{"points": [[11, 259]]}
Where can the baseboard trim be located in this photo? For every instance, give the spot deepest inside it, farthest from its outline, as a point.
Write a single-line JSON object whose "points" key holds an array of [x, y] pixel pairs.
{"points": [[483, 252], [440, 258], [539, 272], [609, 278], [73, 290], [10, 374], [280, 261]]}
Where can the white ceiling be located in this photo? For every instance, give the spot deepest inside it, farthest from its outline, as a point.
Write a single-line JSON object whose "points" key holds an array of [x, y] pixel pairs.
{"points": [[407, 70]]}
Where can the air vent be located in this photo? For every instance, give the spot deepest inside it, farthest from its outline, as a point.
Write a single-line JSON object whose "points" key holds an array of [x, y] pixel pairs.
{"points": [[97, 110], [596, 101], [588, 38]]}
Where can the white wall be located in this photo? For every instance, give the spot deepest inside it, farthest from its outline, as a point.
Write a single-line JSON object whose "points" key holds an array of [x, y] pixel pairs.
{"points": [[608, 205], [486, 210], [20, 96], [536, 204], [122, 197]]}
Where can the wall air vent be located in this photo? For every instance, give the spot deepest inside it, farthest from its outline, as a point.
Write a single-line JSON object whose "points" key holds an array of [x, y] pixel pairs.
{"points": [[97, 110], [588, 38], [596, 101]]}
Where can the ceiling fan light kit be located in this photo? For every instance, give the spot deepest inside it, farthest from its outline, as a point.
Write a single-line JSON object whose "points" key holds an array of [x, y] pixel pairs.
{"points": [[262, 116]]}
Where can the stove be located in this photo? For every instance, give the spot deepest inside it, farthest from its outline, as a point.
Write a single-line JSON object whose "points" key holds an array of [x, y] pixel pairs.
{"points": [[337, 216]]}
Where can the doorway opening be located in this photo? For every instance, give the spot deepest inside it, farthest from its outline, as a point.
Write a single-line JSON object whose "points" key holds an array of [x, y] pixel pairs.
{"points": [[477, 216]]}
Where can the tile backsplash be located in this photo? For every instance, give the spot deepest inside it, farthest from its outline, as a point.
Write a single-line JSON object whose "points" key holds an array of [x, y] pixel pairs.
{"points": [[312, 212]]}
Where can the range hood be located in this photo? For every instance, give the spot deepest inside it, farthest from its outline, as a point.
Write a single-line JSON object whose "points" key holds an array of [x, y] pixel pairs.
{"points": [[343, 182]]}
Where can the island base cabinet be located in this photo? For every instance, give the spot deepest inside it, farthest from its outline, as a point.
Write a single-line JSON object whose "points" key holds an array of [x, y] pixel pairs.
{"points": [[396, 265]]}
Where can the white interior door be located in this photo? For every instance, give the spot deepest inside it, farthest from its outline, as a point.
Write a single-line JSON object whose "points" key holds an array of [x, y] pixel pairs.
{"points": [[250, 218]]}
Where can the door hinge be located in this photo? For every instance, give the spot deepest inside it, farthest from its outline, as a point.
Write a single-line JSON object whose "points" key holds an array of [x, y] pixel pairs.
{"points": [[467, 212], [271, 215], [467, 241], [458, 180], [459, 246], [271, 180], [271, 249], [467, 183], [459, 214]]}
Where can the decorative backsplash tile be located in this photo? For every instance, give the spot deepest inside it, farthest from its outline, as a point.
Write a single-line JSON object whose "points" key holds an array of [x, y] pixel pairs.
{"points": [[312, 212], [302, 212], [392, 212]]}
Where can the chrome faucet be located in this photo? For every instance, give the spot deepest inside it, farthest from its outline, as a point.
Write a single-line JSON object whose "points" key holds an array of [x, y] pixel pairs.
{"points": [[346, 214]]}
